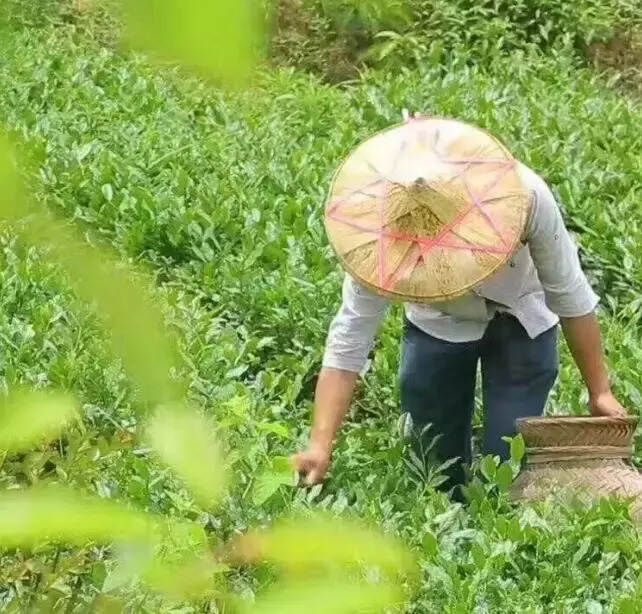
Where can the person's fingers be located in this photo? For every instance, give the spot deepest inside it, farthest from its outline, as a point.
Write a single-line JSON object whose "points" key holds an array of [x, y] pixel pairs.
{"points": [[310, 467], [313, 477], [612, 410], [303, 462]]}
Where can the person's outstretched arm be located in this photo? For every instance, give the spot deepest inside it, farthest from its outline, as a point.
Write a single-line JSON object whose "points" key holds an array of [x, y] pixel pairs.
{"points": [[349, 342], [569, 295], [584, 340], [333, 397]]}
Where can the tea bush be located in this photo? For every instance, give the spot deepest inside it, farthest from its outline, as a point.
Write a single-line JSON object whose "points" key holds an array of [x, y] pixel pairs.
{"points": [[220, 196], [334, 37]]}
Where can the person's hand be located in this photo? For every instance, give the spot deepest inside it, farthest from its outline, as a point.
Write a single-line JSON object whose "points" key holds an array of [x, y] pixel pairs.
{"points": [[312, 464], [606, 404]]}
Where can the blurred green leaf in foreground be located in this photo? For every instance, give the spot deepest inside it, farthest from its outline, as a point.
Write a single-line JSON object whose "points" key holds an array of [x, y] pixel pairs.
{"points": [[327, 542], [185, 441], [28, 418], [30, 518], [220, 40]]}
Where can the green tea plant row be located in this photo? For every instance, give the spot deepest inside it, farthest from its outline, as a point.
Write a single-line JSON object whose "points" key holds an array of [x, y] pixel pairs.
{"points": [[220, 196], [334, 37]]}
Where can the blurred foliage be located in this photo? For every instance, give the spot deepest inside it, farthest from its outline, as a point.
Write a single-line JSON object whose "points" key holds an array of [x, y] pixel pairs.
{"points": [[30, 417], [337, 37], [220, 40], [35, 517], [326, 544], [184, 441], [337, 596]]}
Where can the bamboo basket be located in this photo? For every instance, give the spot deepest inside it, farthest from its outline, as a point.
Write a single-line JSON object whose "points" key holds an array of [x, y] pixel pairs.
{"points": [[587, 455]]}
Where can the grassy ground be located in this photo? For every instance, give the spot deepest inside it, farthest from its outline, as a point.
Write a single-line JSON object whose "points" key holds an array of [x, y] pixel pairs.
{"points": [[220, 197]]}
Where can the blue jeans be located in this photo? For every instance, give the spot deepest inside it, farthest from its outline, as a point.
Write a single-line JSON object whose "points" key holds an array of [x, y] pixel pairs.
{"points": [[438, 380]]}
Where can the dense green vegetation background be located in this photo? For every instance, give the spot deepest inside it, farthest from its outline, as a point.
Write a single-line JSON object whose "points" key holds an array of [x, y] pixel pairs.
{"points": [[219, 195]]}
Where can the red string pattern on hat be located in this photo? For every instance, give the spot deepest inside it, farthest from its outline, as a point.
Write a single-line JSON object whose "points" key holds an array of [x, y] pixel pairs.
{"points": [[446, 237]]}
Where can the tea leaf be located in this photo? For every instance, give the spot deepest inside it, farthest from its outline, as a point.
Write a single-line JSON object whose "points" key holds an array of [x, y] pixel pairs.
{"points": [[430, 544], [594, 607], [279, 473], [504, 477], [488, 467], [517, 448], [108, 192]]}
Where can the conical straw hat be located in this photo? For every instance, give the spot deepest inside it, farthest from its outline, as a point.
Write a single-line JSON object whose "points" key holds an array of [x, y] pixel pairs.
{"points": [[426, 210]]}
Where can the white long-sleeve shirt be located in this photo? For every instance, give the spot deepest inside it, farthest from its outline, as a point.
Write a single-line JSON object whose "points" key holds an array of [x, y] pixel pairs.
{"points": [[542, 282]]}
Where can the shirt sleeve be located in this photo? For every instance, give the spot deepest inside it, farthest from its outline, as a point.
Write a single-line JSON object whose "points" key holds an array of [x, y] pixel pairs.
{"points": [[567, 291], [353, 329]]}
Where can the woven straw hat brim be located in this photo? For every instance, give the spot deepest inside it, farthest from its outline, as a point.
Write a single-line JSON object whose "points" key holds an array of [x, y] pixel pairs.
{"points": [[426, 210]]}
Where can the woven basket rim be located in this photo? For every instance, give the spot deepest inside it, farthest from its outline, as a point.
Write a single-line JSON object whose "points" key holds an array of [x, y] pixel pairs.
{"points": [[576, 420]]}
